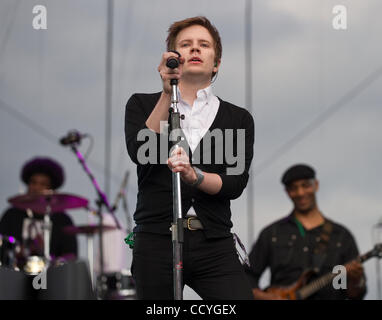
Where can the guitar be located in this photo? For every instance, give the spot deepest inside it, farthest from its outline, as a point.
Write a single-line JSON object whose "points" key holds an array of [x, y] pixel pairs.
{"points": [[301, 289]]}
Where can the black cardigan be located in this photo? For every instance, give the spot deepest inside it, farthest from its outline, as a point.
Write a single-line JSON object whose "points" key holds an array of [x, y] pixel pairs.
{"points": [[154, 200]]}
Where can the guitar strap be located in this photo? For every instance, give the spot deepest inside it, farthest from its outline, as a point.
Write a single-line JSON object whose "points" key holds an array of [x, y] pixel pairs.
{"points": [[321, 247]]}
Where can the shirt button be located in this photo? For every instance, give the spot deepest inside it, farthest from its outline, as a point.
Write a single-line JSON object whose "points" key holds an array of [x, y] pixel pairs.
{"points": [[305, 249], [274, 239], [192, 200], [293, 236]]}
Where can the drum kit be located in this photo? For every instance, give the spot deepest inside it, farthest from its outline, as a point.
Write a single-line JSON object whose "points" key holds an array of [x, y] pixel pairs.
{"points": [[13, 254], [17, 257]]}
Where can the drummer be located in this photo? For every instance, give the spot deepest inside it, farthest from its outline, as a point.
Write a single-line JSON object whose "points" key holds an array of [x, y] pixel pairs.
{"points": [[40, 174]]}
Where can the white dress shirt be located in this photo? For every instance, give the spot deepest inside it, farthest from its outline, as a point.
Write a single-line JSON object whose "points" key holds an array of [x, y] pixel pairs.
{"points": [[198, 119]]}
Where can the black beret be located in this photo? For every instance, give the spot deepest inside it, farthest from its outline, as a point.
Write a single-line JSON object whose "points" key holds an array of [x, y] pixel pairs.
{"points": [[46, 166], [298, 172]]}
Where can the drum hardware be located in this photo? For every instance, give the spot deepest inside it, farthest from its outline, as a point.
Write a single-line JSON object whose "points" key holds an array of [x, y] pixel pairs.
{"points": [[45, 203], [9, 252], [89, 231], [48, 202], [35, 265], [117, 285]]}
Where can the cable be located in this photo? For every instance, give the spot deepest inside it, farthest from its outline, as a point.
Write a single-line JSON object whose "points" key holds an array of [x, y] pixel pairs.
{"points": [[8, 29], [28, 122], [346, 98], [124, 13], [90, 147], [108, 93], [46, 134]]}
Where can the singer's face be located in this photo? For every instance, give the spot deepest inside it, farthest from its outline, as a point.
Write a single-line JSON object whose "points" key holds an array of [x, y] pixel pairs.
{"points": [[197, 47], [38, 183]]}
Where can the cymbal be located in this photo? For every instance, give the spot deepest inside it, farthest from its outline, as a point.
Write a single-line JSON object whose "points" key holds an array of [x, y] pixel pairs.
{"points": [[86, 229], [58, 202]]}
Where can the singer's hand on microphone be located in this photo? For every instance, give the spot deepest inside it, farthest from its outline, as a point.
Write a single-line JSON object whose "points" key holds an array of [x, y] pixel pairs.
{"points": [[167, 73]]}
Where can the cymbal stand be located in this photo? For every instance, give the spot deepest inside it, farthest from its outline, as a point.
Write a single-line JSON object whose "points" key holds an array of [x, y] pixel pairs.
{"points": [[90, 247], [47, 230]]}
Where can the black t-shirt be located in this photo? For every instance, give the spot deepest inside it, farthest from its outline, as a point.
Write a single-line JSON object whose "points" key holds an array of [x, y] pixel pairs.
{"points": [[16, 222], [288, 250]]}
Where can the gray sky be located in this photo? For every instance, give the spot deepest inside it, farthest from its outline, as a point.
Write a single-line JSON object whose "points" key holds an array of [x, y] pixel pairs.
{"points": [[301, 68]]}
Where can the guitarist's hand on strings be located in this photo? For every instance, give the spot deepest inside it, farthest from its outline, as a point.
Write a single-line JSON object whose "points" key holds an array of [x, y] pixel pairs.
{"points": [[354, 271], [356, 279]]}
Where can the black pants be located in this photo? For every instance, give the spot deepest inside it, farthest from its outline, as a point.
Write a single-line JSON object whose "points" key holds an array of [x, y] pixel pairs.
{"points": [[211, 267]]}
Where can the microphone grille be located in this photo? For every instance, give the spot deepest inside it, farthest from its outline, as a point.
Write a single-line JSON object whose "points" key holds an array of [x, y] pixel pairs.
{"points": [[172, 63]]}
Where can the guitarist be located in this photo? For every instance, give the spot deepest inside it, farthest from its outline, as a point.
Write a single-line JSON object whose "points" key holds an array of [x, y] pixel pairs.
{"points": [[304, 240]]}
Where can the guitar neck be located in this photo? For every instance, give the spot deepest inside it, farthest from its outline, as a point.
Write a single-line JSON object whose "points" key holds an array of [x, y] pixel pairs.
{"points": [[326, 279], [315, 286]]}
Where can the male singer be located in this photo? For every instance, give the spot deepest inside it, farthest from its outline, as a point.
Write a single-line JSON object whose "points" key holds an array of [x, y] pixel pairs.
{"points": [[210, 263]]}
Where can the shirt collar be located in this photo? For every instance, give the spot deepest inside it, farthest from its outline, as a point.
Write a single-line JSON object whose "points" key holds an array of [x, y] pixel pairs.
{"points": [[292, 219], [205, 95]]}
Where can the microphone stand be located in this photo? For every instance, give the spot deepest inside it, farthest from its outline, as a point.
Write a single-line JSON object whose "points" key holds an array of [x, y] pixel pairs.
{"points": [[121, 195], [101, 201], [177, 225]]}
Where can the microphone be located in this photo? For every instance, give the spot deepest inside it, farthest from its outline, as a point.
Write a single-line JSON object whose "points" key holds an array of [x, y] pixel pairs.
{"points": [[173, 62], [73, 136]]}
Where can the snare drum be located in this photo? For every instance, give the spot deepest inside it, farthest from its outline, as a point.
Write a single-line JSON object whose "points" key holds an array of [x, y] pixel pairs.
{"points": [[9, 252], [116, 286]]}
